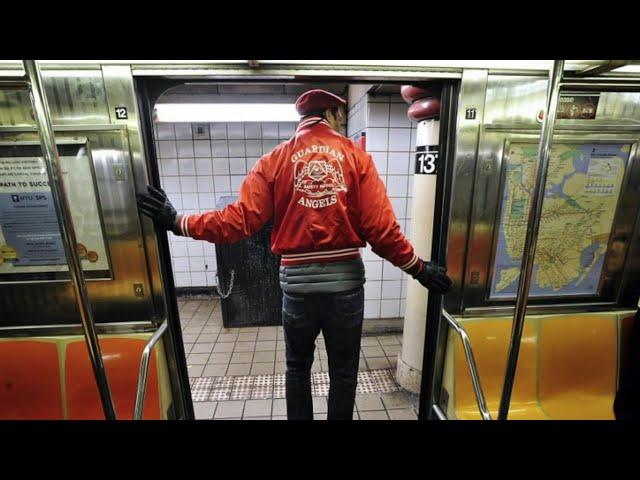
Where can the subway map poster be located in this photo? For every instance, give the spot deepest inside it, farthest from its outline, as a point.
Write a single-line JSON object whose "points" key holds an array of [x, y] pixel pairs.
{"points": [[581, 195]]}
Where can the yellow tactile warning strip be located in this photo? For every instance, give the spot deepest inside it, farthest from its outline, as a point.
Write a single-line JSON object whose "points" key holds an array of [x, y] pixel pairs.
{"points": [[252, 387]]}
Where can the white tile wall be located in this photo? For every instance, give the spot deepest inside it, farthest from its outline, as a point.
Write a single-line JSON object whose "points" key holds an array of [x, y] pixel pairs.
{"points": [[377, 139], [390, 141], [199, 163]]}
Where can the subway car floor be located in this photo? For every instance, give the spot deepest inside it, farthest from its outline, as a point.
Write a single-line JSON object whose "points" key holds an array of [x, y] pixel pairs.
{"points": [[238, 373]]}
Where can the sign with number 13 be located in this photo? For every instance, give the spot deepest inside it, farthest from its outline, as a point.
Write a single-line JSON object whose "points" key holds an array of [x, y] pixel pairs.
{"points": [[427, 160]]}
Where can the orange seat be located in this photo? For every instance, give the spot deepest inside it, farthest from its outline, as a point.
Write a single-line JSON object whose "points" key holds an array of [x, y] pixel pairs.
{"points": [[29, 381], [121, 357], [578, 364], [490, 342]]}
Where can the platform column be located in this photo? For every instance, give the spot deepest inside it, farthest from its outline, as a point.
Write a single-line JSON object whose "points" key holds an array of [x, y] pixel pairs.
{"points": [[409, 370]]}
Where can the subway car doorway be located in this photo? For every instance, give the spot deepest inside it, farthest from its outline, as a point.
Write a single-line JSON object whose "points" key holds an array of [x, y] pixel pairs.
{"points": [[227, 297]]}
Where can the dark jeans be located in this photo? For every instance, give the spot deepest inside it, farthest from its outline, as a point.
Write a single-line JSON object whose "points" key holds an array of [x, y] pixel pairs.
{"points": [[339, 317]]}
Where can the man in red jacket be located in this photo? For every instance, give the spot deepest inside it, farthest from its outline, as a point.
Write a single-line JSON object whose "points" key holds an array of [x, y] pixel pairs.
{"points": [[326, 200]]}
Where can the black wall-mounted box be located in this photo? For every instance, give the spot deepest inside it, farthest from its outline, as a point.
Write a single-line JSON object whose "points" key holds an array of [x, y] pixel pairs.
{"points": [[255, 298]]}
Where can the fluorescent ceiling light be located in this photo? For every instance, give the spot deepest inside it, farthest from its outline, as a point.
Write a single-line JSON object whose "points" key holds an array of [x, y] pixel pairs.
{"points": [[226, 112]]}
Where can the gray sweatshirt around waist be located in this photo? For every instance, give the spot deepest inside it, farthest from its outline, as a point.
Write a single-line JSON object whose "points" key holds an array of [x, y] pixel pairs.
{"points": [[322, 277]]}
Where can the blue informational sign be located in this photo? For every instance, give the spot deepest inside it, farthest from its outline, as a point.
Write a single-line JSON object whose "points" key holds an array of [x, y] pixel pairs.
{"points": [[30, 228]]}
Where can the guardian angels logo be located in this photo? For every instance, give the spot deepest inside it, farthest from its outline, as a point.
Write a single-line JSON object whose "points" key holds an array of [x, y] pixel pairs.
{"points": [[319, 180]]}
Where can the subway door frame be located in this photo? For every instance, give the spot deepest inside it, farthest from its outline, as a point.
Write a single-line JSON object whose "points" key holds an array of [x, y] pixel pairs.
{"points": [[436, 330], [148, 91]]}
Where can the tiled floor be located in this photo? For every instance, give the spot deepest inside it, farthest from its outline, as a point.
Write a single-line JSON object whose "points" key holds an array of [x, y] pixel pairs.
{"points": [[238, 373]]}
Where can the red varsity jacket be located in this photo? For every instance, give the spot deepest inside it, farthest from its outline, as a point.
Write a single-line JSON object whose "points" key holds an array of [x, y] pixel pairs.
{"points": [[325, 198]]}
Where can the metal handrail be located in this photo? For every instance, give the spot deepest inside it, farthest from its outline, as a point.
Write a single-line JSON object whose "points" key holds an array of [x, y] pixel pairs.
{"points": [[438, 411], [141, 391], [471, 363], [67, 231], [531, 236]]}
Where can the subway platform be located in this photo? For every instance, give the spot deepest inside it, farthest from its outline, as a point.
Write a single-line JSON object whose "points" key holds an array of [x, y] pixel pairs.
{"points": [[238, 373]]}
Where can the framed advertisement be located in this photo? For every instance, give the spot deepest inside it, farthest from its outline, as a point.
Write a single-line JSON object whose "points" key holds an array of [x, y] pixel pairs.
{"points": [[31, 246]]}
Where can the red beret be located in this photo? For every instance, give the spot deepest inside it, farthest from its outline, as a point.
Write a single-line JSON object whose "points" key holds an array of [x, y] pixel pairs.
{"points": [[316, 101]]}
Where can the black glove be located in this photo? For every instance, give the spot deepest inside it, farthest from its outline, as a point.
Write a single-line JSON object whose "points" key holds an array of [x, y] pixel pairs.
{"points": [[434, 277], [156, 205]]}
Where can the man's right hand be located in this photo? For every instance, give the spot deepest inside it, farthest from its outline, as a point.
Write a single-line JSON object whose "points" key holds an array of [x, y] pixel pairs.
{"points": [[156, 205], [434, 277]]}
